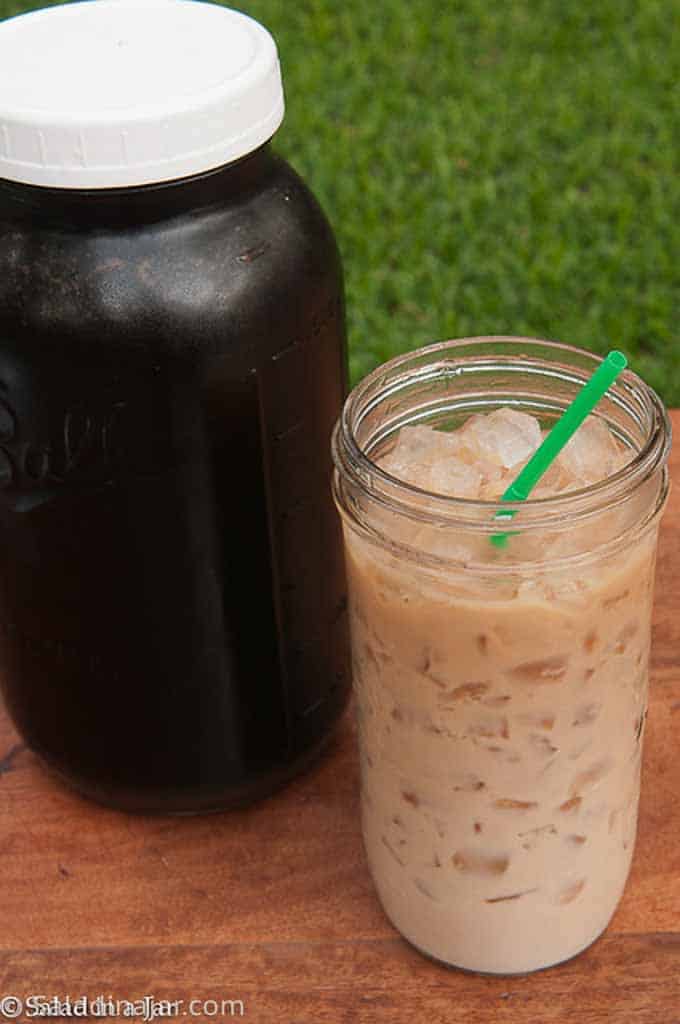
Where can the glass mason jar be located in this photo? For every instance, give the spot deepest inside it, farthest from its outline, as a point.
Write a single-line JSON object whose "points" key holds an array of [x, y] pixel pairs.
{"points": [[501, 692], [173, 635]]}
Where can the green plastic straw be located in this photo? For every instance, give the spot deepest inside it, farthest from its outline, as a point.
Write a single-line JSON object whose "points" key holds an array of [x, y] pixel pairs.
{"points": [[566, 426]]}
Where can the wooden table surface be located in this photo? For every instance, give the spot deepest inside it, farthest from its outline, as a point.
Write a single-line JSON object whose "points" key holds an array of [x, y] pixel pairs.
{"points": [[273, 906]]}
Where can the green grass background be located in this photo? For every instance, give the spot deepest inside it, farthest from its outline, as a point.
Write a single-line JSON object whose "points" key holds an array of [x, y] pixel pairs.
{"points": [[492, 166]]}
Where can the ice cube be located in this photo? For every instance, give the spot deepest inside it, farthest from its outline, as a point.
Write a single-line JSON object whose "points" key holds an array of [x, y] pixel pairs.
{"points": [[555, 479], [414, 451], [421, 441], [453, 477], [505, 436], [495, 480], [451, 545], [591, 454]]}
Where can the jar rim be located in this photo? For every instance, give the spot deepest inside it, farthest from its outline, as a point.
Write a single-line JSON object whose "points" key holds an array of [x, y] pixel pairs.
{"points": [[353, 462]]}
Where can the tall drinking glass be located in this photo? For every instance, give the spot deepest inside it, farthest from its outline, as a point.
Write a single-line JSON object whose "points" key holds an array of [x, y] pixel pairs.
{"points": [[501, 693]]}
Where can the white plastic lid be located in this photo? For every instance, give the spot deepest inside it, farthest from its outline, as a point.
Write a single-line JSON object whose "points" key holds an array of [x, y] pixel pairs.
{"points": [[109, 93]]}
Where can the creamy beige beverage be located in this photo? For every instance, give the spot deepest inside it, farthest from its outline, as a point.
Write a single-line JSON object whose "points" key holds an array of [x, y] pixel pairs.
{"points": [[501, 699]]}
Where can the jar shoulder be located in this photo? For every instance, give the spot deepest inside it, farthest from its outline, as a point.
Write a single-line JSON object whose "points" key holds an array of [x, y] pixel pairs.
{"points": [[191, 278]]}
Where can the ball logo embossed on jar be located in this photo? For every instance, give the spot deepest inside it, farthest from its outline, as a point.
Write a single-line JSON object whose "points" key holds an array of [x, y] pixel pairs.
{"points": [[90, 446]]}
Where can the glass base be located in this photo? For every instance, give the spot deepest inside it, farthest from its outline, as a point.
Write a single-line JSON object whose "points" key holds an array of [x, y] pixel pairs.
{"points": [[504, 974]]}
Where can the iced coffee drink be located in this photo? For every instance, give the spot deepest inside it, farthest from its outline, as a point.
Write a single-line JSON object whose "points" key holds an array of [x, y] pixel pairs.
{"points": [[501, 692]]}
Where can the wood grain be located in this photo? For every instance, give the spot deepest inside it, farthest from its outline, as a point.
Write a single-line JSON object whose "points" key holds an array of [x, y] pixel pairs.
{"points": [[274, 905]]}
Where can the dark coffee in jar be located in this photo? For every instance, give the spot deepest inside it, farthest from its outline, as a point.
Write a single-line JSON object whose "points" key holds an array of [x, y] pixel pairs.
{"points": [[172, 359]]}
